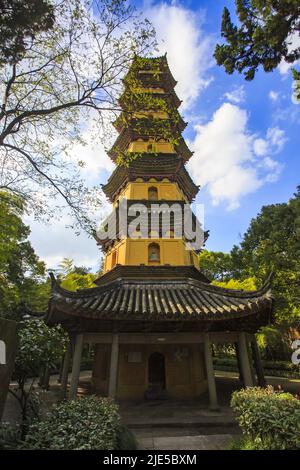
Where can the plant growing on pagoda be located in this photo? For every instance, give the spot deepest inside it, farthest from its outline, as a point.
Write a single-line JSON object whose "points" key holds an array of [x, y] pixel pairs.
{"points": [[146, 112], [63, 80], [39, 347]]}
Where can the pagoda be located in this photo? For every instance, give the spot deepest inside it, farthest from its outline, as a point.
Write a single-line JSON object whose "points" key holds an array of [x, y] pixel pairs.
{"points": [[153, 316]]}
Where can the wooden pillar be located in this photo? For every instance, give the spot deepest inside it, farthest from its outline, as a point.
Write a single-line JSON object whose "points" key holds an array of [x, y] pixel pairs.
{"points": [[113, 372], [211, 382], [61, 368], [65, 372], [238, 359], [76, 366], [248, 342], [257, 363], [245, 361], [46, 378]]}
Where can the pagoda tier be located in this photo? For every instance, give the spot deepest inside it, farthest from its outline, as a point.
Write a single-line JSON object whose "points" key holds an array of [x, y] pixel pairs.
{"points": [[145, 124], [130, 98], [150, 121], [149, 167], [176, 226], [153, 72], [130, 141]]}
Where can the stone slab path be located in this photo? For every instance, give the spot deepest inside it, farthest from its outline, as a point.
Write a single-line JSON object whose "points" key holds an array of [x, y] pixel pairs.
{"points": [[200, 442]]}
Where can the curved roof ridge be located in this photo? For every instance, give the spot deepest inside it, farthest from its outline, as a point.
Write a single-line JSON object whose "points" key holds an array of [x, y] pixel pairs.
{"points": [[205, 287]]}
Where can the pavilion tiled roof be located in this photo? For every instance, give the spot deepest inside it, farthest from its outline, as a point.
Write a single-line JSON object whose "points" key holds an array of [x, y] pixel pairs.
{"points": [[181, 299]]}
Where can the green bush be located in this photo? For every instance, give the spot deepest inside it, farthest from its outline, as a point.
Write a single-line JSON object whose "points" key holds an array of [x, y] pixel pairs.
{"points": [[243, 443], [10, 436], [86, 423], [126, 440], [269, 419], [271, 368]]}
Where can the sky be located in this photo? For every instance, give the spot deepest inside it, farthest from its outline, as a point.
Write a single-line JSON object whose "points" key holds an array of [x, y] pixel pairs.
{"points": [[245, 135]]}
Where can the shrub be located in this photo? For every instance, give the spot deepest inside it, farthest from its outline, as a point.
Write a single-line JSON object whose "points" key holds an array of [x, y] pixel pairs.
{"points": [[86, 423], [271, 420], [274, 342], [10, 436], [271, 368], [126, 440]]}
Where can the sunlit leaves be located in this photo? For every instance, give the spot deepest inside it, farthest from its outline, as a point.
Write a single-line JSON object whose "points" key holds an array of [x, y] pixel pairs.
{"points": [[66, 82]]}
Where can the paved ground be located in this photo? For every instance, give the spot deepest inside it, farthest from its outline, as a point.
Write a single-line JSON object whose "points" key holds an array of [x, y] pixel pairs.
{"points": [[172, 424], [193, 442], [174, 413]]}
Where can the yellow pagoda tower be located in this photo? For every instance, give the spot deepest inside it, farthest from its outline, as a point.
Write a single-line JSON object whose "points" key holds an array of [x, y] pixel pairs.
{"points": [[153, 316], [150, 154]]}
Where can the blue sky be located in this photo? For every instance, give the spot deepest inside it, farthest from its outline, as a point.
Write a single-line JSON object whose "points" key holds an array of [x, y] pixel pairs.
{"points": [[245, 135]]}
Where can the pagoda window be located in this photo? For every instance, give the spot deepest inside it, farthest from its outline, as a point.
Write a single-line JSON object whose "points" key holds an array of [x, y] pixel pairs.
{"points": [[114, 259], [152, 193], [170, 234], [154, 253], [150, 148]]}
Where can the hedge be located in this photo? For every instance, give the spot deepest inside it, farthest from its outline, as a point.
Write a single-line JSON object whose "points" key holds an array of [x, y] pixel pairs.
{"points": [[270, 419], [271, 368], [86, 423]]}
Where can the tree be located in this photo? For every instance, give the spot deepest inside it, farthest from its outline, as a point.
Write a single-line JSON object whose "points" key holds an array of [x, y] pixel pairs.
{"points": [[272, 243], [217, 266], [20, 21], [73, 277], [61, 88], [247, 284], [264, 37], [22, 274], [39, 347]]}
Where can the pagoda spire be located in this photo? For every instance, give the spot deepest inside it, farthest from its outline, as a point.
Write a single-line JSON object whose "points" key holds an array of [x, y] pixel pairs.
{"points": [[149, 122]]}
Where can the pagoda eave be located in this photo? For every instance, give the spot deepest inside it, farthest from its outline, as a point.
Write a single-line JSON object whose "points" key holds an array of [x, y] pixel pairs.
{"points": [[147, 167]]}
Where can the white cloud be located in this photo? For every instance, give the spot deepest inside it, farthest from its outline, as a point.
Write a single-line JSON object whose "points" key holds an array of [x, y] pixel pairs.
{"points": [[229, 160], [294, 43], [236, 96], [260, 147], [189, 51], [285, 67], [274, 142], [95, 159], [54, 242], [276, 138], [57, 239], [90, 151], [273, 95]]}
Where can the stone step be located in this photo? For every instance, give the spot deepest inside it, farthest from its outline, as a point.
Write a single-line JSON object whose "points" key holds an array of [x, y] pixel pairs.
{"points": [[194, 442], [187, 423]]}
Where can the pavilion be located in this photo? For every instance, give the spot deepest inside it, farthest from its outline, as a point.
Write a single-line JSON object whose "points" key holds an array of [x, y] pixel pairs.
{"points": [[154, 316]]}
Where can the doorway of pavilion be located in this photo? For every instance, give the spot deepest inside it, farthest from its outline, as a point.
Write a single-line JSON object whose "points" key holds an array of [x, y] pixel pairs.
{"points": [[156, 377]]}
